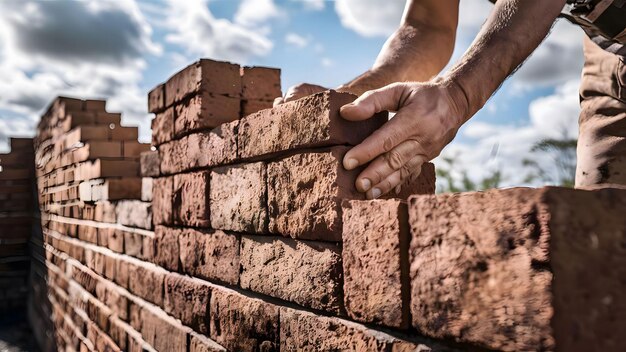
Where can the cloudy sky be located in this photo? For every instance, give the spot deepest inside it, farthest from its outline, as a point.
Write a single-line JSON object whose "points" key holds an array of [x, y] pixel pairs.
{"points": [[120, 49]]}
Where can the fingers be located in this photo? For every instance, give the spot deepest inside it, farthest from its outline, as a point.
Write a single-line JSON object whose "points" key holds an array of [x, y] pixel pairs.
{"points": [[411, 169], [373, 101], [386, 164], [381, 141]]}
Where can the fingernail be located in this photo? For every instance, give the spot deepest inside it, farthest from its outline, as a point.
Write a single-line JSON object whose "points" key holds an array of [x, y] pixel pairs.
{"points": [[365, 184], [375, 193], [350, 164]]}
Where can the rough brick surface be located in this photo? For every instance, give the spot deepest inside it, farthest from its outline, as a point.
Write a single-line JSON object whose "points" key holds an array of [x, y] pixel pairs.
{"points": [[156, 99], [200, 343], [191, 199], [304, 331], [241, 323], [134, 213], [166, 250], [307, 273], [146, 282], [162, 200], [313, 121], [251, 106], [476, 269], [375, 261], [163, 127], [211, 255], [149, 164], [260, 83], [205, 111], [305, 193], [237, 198], [208, 76], [163, 332], [188, 300]]}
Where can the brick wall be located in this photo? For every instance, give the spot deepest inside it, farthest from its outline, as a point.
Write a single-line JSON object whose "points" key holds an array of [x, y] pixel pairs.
{"points": [[241, 231]]}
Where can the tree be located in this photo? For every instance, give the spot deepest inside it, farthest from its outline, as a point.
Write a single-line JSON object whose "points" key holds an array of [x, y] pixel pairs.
{"points": [[563, 152], [446, 174]]}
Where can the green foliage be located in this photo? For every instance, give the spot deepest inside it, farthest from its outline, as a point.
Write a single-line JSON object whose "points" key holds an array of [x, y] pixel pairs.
{"points": [[450, 183], [563, 152]]}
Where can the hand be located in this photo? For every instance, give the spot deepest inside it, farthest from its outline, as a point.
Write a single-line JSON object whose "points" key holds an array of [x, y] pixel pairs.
{"points": [[427, 119], [299, 91]]}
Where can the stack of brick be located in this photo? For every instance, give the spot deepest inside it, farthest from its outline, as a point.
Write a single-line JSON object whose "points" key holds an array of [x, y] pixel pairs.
{"points": [[17, 210], [90, 189], [261, 243]]}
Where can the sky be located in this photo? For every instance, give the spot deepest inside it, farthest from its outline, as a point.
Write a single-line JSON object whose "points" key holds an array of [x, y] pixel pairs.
{"points": [[120, 49]]}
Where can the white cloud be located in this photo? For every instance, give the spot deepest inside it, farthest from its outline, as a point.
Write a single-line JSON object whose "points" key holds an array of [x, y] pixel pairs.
{"points": [[194, 28], [326, 62], [82, 49], [296, 40], [252, 13], [504, 147], [370, 17]]}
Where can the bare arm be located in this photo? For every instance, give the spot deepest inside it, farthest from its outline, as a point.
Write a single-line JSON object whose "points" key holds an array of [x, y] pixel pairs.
{"points": [[429, 114], [416, 51]]}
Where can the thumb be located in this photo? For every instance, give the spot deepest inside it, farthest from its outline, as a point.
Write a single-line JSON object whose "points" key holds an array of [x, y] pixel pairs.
{"points": [[373, 101]]}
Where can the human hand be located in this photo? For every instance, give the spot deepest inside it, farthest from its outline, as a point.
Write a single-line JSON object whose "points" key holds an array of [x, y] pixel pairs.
{"points": [[299, 91], [427, 119]]}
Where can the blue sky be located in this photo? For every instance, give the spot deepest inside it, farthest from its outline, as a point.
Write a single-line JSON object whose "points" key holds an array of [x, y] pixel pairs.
{"points": [[120, 49]]}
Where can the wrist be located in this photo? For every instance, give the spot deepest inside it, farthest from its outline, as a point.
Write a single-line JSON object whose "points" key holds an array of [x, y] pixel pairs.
{"points": [[459, 99]]}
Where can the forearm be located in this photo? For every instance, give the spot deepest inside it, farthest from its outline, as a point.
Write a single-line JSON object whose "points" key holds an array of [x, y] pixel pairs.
{"points": [[512, 32], [412, 53]]}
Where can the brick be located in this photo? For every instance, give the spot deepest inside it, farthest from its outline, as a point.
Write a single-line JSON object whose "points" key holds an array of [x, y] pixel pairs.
{"points": [[133, 149], [21, 143], [101, 149], [238, 195], [251, 106], [205, 111], [313, 121], [305, 193], [122, 133], [114, 239], [83, 134], [146, 281], [133, 243], [146, 189], [107, 118], [166, 247], [105, 212], [307, 273], [94, 105], [241, 323], [208, 76], [188, 299], [375, 261], [191, 199], [156, 99], [163, 127], [200, 343], [305, 331], [211, 255], [134, 213], [200, 150], [163, 332], [150, 164], [162, 200], [260, 83]]}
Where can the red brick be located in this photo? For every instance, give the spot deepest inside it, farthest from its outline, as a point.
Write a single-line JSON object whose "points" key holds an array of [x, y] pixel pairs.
{"points": [[241, 323], [146, 281], [238, 195], [162, 200], [163, 127], [191, 199], [166, 247], [313, 121], [156, 99], [83, 134], [305, 193], [105, 212], [122, 133], [307, 273], [133, 243], [150, 164], [205, 111], [200, 343], [114, 239], [251, 106], [146, 189], [187, 299], [94, 105], [107, 118], [208, 76], [163, 332], [133, 149], [211, 255], [375, 261], [260, 83], [304, 331]]}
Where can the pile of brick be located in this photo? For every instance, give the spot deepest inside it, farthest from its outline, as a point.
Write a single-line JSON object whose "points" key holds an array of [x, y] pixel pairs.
{"points": [[261, 242], [90, 192], [17, 210]]}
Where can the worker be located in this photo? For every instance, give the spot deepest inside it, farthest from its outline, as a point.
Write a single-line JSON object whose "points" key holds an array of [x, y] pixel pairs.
{"points": [[430, 109]]}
